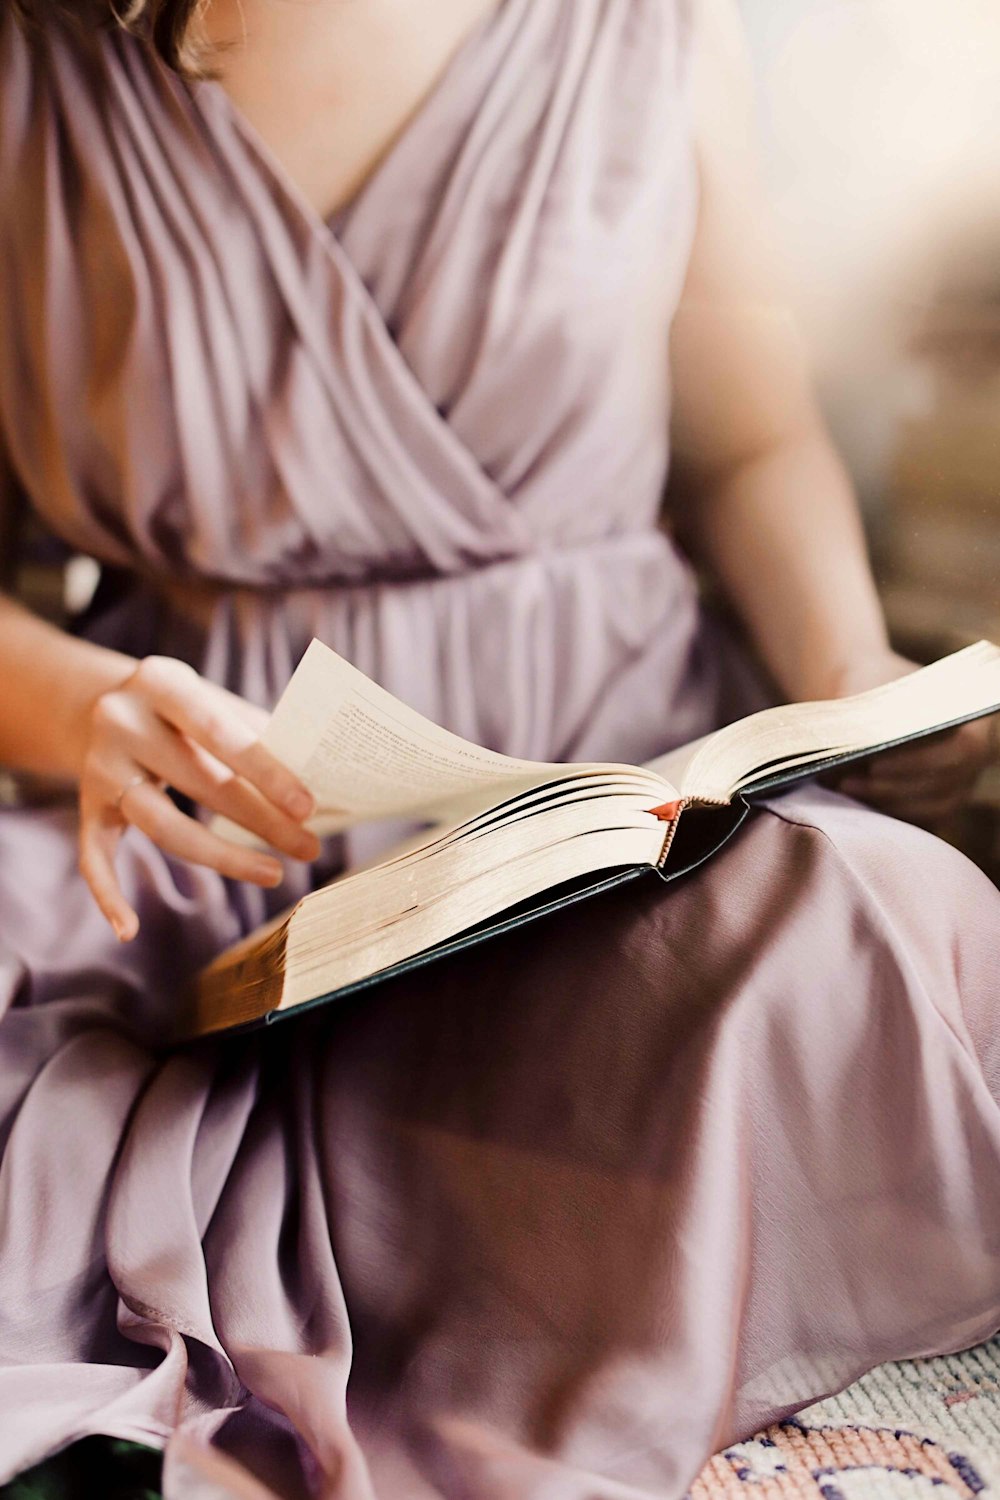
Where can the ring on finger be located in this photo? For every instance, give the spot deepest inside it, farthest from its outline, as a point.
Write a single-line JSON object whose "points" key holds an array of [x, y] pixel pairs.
{"points": [[139, 779]]}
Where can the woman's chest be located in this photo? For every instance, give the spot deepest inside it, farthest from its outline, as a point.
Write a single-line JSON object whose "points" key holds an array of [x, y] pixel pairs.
{"points": [[233, 377], [329, 87]]}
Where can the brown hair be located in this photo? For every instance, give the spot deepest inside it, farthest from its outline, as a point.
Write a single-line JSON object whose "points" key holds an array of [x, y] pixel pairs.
{"points": [[166, 24]]}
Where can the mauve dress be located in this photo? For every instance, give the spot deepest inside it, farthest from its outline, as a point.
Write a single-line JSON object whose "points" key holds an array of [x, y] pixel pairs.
{"points": [[557, 1219]]}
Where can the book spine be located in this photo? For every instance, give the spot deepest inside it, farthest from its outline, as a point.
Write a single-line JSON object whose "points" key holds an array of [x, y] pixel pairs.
{"points": [[670, 813]]}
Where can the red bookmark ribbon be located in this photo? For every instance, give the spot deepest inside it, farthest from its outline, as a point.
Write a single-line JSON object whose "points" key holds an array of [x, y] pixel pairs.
{"points": [[667, 812]]}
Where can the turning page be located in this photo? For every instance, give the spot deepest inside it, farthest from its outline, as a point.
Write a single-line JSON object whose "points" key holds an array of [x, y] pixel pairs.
{"points": [[366, 756]]}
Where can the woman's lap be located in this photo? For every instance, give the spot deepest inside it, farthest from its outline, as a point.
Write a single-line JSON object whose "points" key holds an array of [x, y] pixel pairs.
{"points": [[591, 1200], [680, 1161]]}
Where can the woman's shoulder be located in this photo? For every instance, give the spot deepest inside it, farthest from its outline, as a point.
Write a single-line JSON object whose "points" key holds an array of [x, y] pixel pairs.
{"points": [[26, 46], [26, 39], [51, 69], [21, 50], [17, 37], [39, 45]]}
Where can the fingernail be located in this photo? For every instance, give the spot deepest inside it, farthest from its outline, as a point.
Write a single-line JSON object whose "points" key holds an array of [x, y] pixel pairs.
{"points": [[309, 847], [269, 872], [300, 803]]}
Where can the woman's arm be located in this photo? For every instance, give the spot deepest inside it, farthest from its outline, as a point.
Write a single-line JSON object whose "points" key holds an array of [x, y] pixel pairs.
{"points": [[760, 495], [123, 731], [50, 681]]}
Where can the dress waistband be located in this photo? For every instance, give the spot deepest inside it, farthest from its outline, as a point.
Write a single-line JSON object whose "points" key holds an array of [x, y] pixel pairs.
{"points": [[198, 598]]}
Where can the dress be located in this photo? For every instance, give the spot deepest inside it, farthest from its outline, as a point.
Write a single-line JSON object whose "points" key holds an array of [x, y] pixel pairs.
{"points": [[560, 1217]]}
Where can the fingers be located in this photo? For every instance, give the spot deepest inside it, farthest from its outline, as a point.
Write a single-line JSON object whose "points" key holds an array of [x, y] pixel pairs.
{"points": [[929, 803], [221, 790], [954, 750], [926, 810], [167, 725], [900, 800], [880, 782], [131, 733], [146, 805], [205, 714], [99, 836], [925, 782], [150, 810], [199, 775]]}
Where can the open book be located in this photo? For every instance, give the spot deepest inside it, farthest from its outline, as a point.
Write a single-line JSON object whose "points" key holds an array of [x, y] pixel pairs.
{"points": [[505, 840]]}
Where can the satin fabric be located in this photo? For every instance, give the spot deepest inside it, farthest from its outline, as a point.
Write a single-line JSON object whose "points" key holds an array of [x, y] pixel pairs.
{"points": [[558, 1218]]}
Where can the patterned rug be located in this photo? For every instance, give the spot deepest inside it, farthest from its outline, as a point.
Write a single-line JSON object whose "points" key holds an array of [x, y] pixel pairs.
{"points": [[902, 1432], [910, 1431]]}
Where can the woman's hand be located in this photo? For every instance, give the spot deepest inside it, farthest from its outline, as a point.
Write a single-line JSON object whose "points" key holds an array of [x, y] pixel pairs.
{"points": [[166, 726], [924, 782]]}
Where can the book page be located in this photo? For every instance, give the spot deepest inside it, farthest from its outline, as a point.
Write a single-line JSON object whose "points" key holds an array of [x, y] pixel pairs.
{"points": [[964, 685], [673, 766], [384, 920], [365, 755]]}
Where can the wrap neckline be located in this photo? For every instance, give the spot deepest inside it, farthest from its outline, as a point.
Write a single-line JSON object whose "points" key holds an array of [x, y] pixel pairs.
{"points": [[211, 95]]}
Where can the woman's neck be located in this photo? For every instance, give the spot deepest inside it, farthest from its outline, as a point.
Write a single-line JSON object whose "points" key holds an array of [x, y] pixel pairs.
{"points": [[329, 84]]}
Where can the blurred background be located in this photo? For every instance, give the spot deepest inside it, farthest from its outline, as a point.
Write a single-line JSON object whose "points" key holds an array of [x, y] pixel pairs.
{"points": [[880, 127]]}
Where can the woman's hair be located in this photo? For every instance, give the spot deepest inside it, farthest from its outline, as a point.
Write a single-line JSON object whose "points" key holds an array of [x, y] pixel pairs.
{"points": [[163, 23]]}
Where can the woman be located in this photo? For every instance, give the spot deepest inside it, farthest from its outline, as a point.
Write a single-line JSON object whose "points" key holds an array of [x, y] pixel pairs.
{"points": [[366, 336]]}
